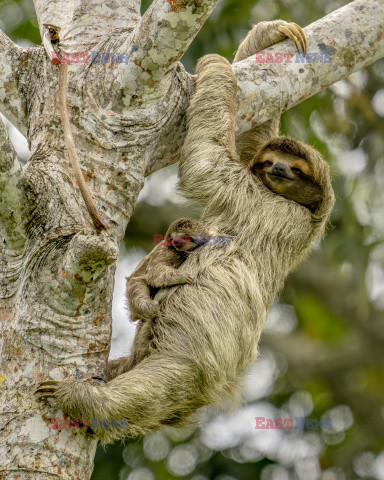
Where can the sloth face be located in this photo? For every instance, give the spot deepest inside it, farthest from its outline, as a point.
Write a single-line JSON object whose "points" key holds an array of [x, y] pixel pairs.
{"points": [[180, 234], [289, 176], [182, 241]]}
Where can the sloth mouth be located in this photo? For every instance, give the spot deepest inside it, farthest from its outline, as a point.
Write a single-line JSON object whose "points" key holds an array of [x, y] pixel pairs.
{"points": [[279, 176]]}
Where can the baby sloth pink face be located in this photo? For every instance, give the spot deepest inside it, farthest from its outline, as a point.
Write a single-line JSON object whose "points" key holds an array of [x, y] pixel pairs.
{"points": [[182, 242], [285, 172]]}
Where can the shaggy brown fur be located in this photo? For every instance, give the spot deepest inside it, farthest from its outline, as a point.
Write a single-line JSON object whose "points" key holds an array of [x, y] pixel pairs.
{"points": [[206, 334], [159, 269]]}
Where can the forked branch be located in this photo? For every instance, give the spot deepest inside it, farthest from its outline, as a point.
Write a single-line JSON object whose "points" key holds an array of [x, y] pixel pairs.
{"points": [[162, 37]]}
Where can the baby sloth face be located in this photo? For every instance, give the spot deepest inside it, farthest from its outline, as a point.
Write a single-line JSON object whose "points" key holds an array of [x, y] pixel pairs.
{"points": [[181, 232], [289, 176], [182, 241]]}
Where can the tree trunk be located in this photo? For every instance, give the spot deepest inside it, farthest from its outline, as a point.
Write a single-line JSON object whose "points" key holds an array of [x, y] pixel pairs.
{"points": [[56, 273]]}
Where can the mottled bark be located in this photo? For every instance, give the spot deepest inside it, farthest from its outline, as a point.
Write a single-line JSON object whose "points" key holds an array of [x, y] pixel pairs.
{"points": [[56, 273], [339, 44], [160, 40], [352, 37], [11, 102], [12, 212]]}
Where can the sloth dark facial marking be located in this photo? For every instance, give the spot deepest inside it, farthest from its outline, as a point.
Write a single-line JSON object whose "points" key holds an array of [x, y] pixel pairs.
{"points": [[285, 172]]}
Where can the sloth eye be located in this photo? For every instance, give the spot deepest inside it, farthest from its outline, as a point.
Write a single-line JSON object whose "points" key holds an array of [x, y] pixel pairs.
{"points": [[268, 163], [296, 170], [257, 166]]}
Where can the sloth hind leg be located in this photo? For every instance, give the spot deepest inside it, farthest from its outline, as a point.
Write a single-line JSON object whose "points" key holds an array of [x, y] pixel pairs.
{"points": [[160, 390], [142, 347]]}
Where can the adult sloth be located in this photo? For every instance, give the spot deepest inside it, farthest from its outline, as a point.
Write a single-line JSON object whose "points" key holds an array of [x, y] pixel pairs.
{"points": [[272, 195]]}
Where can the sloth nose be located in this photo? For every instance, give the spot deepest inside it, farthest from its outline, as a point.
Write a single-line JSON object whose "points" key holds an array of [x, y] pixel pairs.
{"points": [[279, 169]]}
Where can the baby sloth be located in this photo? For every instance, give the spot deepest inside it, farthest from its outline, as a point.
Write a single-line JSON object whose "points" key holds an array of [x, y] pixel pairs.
{"points": [[159, 269], [273, 196]]}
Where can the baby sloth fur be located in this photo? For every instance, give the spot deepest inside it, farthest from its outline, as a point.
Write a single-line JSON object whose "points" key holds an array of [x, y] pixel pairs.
{"points": [[159, 269], [206, 334]]}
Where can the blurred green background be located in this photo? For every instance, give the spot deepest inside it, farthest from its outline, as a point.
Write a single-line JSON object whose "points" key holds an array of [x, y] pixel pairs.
{"points": [[322, 350]]}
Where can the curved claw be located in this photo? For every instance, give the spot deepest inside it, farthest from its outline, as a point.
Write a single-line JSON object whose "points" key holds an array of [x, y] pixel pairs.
{"points": [[46, 389], [296, 34], [301, 34]]}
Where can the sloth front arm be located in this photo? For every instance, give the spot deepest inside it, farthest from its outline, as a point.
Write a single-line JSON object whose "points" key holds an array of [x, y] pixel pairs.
{"points": [[163, 269], [209, 167], [260, 37]]}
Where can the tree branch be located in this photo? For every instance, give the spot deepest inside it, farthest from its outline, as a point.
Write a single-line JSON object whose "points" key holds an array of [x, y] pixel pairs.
{"points": [[58, 324], [352, 36], [12, 212], [164, 34], [11, 104], [86, 22], [84, 262]]}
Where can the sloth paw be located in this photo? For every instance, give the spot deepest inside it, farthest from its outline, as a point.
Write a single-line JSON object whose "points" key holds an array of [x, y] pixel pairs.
{"points": [[295, 33], [46, 389], [149, 310], [182, 279]]}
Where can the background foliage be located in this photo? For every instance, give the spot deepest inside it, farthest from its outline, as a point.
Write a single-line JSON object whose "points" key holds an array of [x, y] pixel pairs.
{"points": [[322, 352]]}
